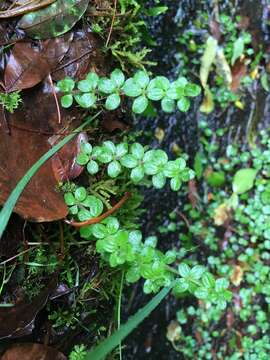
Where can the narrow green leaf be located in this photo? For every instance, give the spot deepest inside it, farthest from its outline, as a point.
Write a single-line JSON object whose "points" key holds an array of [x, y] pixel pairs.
{"points": [[109, 344]]}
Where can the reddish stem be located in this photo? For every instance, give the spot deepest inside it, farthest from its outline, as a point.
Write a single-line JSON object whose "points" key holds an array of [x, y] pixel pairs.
{"points": [[98, 219]]}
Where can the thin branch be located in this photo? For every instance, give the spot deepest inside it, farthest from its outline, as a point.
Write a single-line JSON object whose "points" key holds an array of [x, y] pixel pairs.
{"points": [[112, 23]]}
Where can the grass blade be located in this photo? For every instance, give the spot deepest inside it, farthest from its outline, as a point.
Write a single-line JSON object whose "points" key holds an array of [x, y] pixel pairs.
{"points": [[16, 192], [109, 344]]}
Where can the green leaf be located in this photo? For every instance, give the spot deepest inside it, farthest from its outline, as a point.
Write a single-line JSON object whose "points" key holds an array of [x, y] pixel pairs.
{"points": [[112, 224], [216, 178], [82, 158], [80, 194], [67, 101], [85, 85], [53, 20], [129, 161], [168, 105], [140, 104], [131, 88], [112, 102], [197, 272], [159, 181], [114, 169], [137, 174], [86, 148], [121, 150], [84, 215], [243, 180], [181, 286], [208, 280], [156, 10], [183, 104], [184, 270], [99, 231], [155, 94], [106, 86], [105, 347], [66, 85], [92, 167], [92, 79], [238, 49], [175, 183], [137, 150], [192, 90], [95, 205], [265, 82], [221, 284], [16, 192], [141, 78], [69, 199], [201, 293], [198, 164], [86, 100], [118, 78]]}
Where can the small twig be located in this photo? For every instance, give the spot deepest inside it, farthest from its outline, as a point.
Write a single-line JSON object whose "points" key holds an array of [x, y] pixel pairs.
{"points": [[16, 256], [55, 98], [112, 23], [72, 61], [98, 219]]}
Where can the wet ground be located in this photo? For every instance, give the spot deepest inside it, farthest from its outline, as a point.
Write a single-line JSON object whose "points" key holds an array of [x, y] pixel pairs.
{"points": [[149, 340]]}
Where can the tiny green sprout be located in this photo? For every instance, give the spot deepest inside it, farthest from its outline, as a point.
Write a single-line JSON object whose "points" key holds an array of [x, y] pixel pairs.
{"points": [[10, 101]]}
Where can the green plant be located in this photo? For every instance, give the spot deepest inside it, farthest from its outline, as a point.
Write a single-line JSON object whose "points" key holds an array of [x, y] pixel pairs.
{"points": [[140, 87], [10, 101], [78, 353], [234, 232], [124, 248]]}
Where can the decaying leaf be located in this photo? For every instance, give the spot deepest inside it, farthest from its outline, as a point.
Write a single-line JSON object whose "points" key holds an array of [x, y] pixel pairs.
{"points": [[215, 30], [208, 59], [19, 320], [239, 70], [64, 163], [222, 214], [32, 352], [159, 134], [33, 126], [29, 65], [54, 20], [223, 68], [237, 275], [25, 8], [208, 104], [173, 331], [83, 56]]}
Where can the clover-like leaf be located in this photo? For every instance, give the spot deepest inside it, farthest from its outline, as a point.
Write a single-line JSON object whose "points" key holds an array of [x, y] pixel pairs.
{"points": [[141, 78], [67, 101], [118, 77], [112, 102], [114, 169], [131, 88], [140, 104], [87, 100], [106, 86], [137, 174]]}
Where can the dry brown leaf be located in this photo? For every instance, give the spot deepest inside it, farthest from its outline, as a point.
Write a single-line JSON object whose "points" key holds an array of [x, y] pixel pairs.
{"points": [[30, 63], [32, 352], [32, 129], [237, 275], [221, 214]]}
